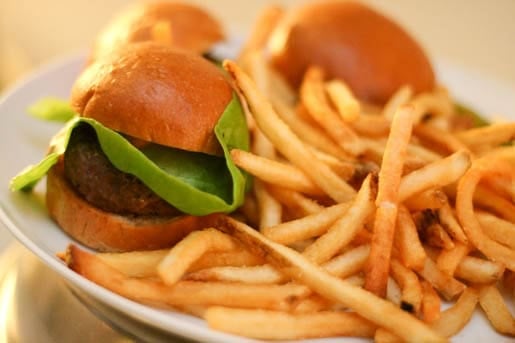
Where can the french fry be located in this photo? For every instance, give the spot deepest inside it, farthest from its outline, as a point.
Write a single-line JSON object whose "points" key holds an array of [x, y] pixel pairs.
{"points": [[257, 69], [448, 260], [465, 210], [273, 325], [385, 336], [434, 235], [450, 223], [411, 298], [310, 134], [301, 245], [371, 125], [448, 286], [144, 263], [416, 157], [313, 96], [260, 144], [306, 227], [135, 263], [431, 199], [374, 149], [488, 199], [453, 319], [387, 202], [370, 108], [399, 98], [299, 268], [436, 137], [249, 209], [410, 249], [344, 169], [273, 297], [342, 266], [342, 98], [345, 228], [498, 229], [508, 281], [236, 258], [264, 274], [492, 303], [393, 292], [294, 200], [503, 153], [436, 102], [313, 303], [491, 135], [286, 141], [504, 188], [420, 152], [362, 237], [436, 174], [148, 291], [432, 252], [275, 172], [194, 310], [187, 251], [270, 210], [431, 303], [348, 263], [479, 271], [355, 280]]}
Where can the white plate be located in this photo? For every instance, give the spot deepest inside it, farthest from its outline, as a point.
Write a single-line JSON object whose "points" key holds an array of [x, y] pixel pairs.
{"points": [[24, 141]]}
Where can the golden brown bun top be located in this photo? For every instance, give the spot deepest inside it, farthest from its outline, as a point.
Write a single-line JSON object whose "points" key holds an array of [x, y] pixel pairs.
{"points": [[374, 55], [173, 23], [155, 93]]}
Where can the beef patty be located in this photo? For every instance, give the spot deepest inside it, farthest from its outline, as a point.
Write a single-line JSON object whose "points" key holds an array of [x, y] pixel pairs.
{"points": [[95, 178]]}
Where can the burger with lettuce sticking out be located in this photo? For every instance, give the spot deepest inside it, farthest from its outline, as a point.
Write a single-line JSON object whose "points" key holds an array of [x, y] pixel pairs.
{"points": [[146, 158]]}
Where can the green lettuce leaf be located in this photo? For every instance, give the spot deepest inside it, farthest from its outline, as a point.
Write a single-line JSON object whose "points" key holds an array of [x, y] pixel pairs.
{"points": [[52, 109], [195, 183]]}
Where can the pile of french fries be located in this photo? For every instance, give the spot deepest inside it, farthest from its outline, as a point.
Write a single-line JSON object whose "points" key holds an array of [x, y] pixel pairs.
{"points": [[363, 221]]}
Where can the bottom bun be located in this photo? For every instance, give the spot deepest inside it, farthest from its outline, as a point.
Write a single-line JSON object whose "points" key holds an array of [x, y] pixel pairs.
{"points": [[106, 231]]}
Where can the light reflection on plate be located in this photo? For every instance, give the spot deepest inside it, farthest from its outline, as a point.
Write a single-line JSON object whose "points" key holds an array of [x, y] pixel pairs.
{"points": [[24, 141]]}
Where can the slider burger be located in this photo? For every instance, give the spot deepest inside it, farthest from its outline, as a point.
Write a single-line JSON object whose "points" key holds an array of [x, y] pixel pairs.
{"points": [[146, 160], [352, 42], [170, 23]]}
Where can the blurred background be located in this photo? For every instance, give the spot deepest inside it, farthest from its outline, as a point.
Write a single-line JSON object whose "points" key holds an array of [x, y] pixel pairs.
{"points": [[479, 34]]}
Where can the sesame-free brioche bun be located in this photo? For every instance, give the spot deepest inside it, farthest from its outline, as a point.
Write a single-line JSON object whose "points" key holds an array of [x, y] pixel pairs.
{"points": [[157, 94], [351, 41], [171, 23], [104, 231]]}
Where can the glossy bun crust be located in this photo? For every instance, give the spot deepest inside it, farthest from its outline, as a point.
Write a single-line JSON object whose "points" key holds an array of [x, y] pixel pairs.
{"points": [[186, 26], [353, 42], [155, 93], [104, 231]]}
